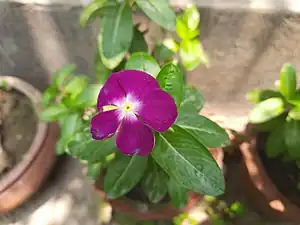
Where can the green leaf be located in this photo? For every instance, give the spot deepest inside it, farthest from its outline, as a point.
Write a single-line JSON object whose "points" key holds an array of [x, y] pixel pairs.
{"points": [[183, 31], [101, 71], [295, 100], [162, 53], [266, 110], [116, 35], [206, 131], [288, 81], [179, 195], [70, 124], [61, 145], [257, 96], [181, 28], [191, 17], [192, 54], [170, 79], [272, 124], [89, 97], [294, 113], [154, 183], [192, 103], [85, 148], [291, 138], [76, 85], [123, 174], [53, 112], [159, 11], [275, 145], [91, 11], [62, 74], [138, 43], [143, 62], [49, 96], [94, 170], [188, 162]]}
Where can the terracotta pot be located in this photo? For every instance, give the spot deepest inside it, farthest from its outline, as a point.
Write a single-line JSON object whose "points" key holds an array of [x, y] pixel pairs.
{"points": [[28, 175], [156, 211], [259, 187]]}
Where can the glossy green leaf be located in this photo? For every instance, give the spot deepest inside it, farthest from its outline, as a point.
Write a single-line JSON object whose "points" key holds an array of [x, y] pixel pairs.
{"points": [[188, 162], [94, 170], [49, 96], [138, 43], [116, 34], [203, 129], [123, 174], [159, 11], [154, 183], [192, 103], [76, 85], [85, 148], [89, 97], [266, 110], [170, 79], [291, 138], [101, 71], [192, 54], [53, 112], [257, 96], [92, 10], [179, 195], [144, 62], [275, 145], [294, 113], [62, 74], [288, 81], [191, 17]]}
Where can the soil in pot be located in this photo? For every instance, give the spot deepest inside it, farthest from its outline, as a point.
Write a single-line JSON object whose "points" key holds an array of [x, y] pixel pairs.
{"points": [[18, 124], [285, 175]]}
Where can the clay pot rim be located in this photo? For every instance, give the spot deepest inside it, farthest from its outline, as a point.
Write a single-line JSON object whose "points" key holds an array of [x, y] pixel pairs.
{"points": [[259, 177], [34, 96]]}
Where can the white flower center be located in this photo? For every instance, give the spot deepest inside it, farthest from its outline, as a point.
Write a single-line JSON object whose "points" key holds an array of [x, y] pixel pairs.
{"points": [[128, 107]]}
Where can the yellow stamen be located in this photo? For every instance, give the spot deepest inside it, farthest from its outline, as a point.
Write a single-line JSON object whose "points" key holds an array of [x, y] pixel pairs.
{"points": [[109, 108], [128, 107]]}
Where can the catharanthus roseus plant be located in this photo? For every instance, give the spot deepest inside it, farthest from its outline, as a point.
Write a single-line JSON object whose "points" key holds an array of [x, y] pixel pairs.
{"points": [[144, 131], [140, 127], [278, 112]]}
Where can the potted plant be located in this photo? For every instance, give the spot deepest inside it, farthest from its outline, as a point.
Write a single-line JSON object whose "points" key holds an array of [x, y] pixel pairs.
{"points": [[26, 144], [137, 128], [271, 152]]}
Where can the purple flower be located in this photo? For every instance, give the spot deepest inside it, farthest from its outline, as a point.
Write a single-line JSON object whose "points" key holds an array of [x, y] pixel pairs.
{"points": [[132, 105]]}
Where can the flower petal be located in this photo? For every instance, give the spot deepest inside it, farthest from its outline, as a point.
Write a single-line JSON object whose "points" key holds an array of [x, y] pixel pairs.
{"points": [[134, 137], [136, 82], [111, 92], [105, 124], [159, 110]]}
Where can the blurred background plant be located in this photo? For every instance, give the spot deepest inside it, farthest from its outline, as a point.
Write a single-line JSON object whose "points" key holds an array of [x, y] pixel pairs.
{"points": [[278, 112]]}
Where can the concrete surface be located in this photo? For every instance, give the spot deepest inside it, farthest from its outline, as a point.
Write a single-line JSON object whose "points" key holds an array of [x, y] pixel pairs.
{"points": [[66, 198], [261, 5]]}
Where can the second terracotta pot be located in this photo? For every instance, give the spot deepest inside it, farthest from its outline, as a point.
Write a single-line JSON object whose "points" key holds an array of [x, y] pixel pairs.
{"points": [[260, 189], [156, 211]]}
